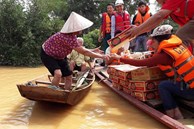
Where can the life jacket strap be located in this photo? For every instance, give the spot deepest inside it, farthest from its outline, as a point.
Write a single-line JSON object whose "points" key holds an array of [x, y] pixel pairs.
{"points": [[183, 63], [185, 73]]}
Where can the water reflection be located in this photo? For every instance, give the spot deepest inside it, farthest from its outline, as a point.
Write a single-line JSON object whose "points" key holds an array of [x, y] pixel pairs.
{"points": [[19, 117], [100, 109]]}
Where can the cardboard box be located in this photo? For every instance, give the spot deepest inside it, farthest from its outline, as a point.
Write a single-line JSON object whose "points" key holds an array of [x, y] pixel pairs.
{"points": [[126, 90], [124, 71], [114, 79], [111, 70], [119, 40], [144, 74], [116, 85], [124, 83], [144, 96], [144, 85]]}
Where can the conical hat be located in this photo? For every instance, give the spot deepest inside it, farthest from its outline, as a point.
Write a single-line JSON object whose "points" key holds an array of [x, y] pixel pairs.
{"points": [[75, 23]]}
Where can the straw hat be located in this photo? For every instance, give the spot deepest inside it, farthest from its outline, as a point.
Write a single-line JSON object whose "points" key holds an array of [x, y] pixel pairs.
{"points": [[75, 23], [162, 30], [119, 2]]}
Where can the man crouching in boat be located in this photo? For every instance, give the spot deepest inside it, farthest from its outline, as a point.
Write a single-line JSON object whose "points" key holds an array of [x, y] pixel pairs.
{"points": [[78, 61], [176, 61], [56, 48]]}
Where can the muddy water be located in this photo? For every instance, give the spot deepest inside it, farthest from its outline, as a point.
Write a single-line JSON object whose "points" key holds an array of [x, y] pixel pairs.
{"points": [[101, 109]]}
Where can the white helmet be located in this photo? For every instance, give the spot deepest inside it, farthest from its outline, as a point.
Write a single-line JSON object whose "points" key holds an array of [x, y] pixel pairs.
{"points": [[119, 2], [162, 30]]}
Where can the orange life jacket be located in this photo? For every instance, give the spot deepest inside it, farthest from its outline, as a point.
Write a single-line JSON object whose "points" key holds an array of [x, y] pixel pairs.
{"points": [[122, 22], [140, 19], [106, 25], [183, 66]]}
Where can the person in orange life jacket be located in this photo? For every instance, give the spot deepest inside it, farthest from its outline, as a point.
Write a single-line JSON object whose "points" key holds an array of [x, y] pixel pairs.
{"points": [[105, 27], [180, 11], [177, 63], [142, 15], [55, 49], [121, 19]]}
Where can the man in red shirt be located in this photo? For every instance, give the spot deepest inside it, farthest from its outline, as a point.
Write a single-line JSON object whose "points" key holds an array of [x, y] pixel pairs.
{"points": [[180, 11]]}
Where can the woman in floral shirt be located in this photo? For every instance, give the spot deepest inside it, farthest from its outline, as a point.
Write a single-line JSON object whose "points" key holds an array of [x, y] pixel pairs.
{"points": [[56, 48]]}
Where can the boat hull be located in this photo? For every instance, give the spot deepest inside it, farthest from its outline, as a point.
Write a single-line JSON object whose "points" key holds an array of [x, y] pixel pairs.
{"points": [[159, 116], [43, 93]]}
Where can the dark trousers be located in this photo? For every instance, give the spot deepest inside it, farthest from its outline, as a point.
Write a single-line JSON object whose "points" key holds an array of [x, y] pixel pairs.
{"points": [[168, 91], [105, 43]]}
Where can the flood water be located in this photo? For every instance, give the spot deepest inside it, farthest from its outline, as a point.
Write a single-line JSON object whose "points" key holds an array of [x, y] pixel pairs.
{"points": [[100, 109]]}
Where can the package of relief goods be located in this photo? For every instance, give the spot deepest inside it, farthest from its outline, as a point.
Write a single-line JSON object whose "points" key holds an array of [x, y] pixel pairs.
{"points": [[124, 83], [144, 85], [144, 96], [126, 90], [124, 71], [114, 79], [119, 40], [145, 73], [111, 69], [117, 86]]}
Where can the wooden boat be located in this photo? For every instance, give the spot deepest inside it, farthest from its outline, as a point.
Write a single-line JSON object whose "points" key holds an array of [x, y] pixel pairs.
{"points": [[40, 89], [149, 108]]}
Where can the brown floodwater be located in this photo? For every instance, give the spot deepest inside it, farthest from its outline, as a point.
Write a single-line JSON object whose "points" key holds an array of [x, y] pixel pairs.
{"points": [[100, 109]]}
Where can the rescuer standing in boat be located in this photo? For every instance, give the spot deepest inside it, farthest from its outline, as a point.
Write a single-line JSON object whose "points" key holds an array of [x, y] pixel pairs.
{"points": [[56, 48]]}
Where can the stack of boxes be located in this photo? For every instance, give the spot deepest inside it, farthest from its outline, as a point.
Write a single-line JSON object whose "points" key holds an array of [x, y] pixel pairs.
{"points": [[120, 76], [140, 82]]}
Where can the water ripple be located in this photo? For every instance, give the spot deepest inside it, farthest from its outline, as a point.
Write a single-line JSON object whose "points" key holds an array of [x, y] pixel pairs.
{"points": [[18, 118]]}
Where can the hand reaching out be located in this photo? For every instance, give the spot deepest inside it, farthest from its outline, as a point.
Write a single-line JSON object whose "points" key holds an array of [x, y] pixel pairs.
{"points": [[114, 56], [106, 58], [97, 50], [133, 32]]}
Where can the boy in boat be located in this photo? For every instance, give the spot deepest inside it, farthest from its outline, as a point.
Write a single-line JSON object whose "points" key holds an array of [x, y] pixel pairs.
{"points": [[55, 49], [78, 61], [177, 63]]}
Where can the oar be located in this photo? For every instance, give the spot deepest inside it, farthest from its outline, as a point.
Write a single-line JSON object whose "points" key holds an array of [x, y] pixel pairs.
{"points": [[81, 80]]}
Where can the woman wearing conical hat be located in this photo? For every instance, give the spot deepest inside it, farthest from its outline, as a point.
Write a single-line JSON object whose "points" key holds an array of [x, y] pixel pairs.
{"points": [[56, 48]]}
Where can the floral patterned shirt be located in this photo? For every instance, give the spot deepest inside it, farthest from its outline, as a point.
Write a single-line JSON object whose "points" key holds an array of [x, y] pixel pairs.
{"points": [[60, 45]]}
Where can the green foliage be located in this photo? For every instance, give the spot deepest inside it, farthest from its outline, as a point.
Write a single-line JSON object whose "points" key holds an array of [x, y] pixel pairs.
{"points": [[23, 32], [13, 31], [24, 28], [91, 39]]}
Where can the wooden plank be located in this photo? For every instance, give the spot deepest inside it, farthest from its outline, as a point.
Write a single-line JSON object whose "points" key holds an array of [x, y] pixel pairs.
{"points": [[47, 82], [164, 119]]}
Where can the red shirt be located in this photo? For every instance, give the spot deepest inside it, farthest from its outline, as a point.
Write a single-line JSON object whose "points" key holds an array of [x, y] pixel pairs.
{"points": [[178, 10], [157, 59]]}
